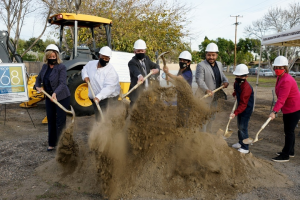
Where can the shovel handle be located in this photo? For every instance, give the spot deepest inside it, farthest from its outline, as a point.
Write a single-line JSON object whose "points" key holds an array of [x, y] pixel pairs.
{"points": [[207, 95], [136, 86], [57, 103], [97, 103], [262, 127], [234, 106]]}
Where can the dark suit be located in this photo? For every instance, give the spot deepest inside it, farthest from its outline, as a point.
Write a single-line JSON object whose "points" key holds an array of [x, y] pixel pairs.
{"points": [[135, 68], [55, 115]]}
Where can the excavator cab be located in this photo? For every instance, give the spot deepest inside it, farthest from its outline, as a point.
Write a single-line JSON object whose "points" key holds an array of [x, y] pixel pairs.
{"points": [[79, 56]]}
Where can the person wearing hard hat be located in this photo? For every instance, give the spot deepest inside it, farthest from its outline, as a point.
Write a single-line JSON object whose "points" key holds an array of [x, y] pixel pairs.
{"points": [[243, 92], [104, 81], [288, 101], [185, 71], [53, 76], [139, 66], [210, 76]]}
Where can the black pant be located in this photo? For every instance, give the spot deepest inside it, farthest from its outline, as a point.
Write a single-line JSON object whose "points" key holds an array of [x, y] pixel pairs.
{"points": [[290, 122], [56, 119], [104, 103]]}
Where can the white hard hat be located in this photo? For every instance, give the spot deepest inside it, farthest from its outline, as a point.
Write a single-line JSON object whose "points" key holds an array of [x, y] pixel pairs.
{"points": [[186, 55], [241, 69], [52, 47], [140, 44], [281, 61], [106, 51], [212, 47]]}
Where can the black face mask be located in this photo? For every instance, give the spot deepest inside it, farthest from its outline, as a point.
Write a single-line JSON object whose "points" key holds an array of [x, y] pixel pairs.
{"points": [[52, 61], [140, 56], [239, 80], [103, 63], [182, 65]]}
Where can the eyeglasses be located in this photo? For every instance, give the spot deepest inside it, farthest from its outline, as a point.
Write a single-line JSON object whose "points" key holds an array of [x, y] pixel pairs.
{"points": [[278, 67]]}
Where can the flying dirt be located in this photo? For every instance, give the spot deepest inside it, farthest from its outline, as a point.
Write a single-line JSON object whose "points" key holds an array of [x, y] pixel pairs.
{"points": [[156, 150]]}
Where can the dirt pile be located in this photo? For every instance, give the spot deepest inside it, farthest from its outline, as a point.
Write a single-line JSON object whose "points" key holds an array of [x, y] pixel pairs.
{"points": [[159, 152]]}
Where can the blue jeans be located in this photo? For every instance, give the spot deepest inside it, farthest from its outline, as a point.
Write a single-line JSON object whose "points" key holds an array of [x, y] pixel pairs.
{"points": [[242, 123]]}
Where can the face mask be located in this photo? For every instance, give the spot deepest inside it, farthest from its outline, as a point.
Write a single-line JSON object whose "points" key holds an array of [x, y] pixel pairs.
{"points": [[51, 61], [279, 72], [140, 56], [182, 65], [239, 80], [103, 63]]}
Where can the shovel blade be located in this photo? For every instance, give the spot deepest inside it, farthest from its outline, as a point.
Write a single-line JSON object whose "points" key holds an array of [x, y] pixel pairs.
{"points": [[248, 141], [228, 134]]}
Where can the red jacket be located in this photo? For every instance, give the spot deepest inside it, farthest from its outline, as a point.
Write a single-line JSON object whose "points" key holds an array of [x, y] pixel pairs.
{"points": [[245, 98], [288, 95]]}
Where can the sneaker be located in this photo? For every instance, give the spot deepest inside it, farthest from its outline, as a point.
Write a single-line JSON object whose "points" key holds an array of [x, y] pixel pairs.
{"points": [[291, 155], [237, 145], [281, 159], [243, 150]]}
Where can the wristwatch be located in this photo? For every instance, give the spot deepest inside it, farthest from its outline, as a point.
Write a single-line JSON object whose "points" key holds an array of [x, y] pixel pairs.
{"points": [[274, 112]]}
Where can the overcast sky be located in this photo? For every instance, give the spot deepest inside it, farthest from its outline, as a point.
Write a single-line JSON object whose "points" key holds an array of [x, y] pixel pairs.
{"points": [[209, 18]]}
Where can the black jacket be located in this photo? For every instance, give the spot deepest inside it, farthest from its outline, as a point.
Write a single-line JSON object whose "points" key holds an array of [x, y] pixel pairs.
{"points": [[135, 68]]}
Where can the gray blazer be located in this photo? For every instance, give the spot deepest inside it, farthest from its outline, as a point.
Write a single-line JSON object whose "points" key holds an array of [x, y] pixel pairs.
{"points": [[205, 77]]}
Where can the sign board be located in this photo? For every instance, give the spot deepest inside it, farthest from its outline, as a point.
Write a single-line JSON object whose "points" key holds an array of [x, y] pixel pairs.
{"points": [[120, 62], [13, 85]]}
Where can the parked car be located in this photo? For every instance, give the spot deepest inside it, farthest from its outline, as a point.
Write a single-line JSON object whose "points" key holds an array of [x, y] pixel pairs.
{"points": [[265, 72], [224, 69], [292, 73], [297, 73], [253, 71]]}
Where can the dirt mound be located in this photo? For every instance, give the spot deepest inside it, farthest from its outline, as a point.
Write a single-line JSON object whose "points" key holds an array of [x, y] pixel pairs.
{"points": [[159, 152]]}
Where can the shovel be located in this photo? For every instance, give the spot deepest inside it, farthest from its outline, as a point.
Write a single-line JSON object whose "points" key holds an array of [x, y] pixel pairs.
{"points": [[97, 103], [227, 133], [136, 86], [59, 105], [207, 95], [164, 61], [250, 140]]}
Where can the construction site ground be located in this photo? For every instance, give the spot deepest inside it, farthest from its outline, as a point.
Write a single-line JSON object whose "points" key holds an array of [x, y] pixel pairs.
{"points": [[23, 150]]}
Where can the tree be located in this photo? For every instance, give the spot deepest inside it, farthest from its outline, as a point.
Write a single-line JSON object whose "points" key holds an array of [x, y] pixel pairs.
{"points": [[276, 20], [38, 47], [14, 12], [157, 22]]}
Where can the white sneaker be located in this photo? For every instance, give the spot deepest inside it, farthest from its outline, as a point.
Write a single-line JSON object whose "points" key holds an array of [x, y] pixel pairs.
{"points": [[243, 150], [237, 145]]}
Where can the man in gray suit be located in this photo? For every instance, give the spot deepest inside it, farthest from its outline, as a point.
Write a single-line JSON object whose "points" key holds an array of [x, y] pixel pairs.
{"points": [[210, 76]]}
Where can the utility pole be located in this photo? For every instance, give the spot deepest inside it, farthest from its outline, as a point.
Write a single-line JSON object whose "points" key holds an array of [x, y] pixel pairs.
{"points": [[236, 24]]}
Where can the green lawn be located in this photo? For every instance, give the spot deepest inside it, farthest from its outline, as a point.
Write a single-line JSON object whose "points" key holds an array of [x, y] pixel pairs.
{"points": [[262, 82]]}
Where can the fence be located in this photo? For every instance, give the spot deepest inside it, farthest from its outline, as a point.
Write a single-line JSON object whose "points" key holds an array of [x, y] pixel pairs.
{"points": [[33, 67]]}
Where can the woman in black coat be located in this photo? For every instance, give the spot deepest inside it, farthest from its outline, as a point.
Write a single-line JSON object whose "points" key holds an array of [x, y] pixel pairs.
{"points": [[53, 76]]}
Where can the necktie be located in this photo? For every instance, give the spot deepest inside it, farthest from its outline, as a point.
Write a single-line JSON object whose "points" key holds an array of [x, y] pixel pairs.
{"points": [[145, 72]]}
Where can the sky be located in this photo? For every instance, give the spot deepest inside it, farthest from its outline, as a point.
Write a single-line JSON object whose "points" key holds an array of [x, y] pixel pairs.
{"points": [[209, 18]]}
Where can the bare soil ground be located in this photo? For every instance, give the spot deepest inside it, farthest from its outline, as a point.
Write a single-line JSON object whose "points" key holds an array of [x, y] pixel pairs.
{"points": [[23, 150]]}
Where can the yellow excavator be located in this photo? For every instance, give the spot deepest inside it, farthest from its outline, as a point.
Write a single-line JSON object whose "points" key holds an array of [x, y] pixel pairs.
{"points": [[74, 63]]}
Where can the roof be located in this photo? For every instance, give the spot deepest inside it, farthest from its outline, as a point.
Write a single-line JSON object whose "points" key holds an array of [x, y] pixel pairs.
{"points": [[67, 19], [286, 38]]}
